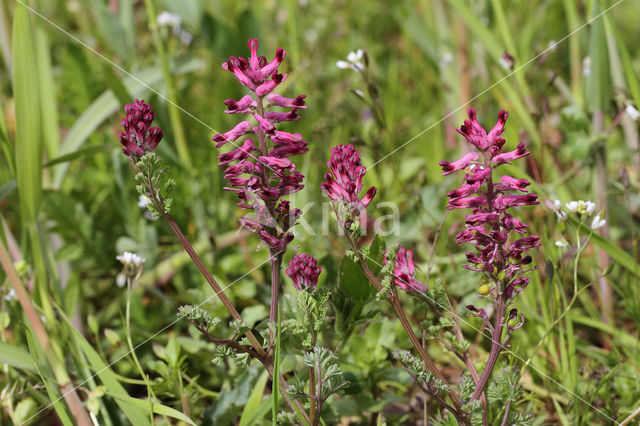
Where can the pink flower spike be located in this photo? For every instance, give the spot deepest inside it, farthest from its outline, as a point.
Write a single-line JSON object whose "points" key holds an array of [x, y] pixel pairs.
{"points": [[233, 134], [304, 271], [462, 163], [507, 157], [281, 101], [138, 137], [404, 272]]}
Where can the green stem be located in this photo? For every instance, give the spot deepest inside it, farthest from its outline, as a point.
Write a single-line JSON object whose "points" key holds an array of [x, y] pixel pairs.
{"points": [[132, 351]]}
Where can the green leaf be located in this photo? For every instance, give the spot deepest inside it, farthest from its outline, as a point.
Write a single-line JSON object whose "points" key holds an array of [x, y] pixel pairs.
{"points": [[47, 99], [172, 352], [160, 409], [353, 282], [28, 133], [252, 409], [16, 357]]}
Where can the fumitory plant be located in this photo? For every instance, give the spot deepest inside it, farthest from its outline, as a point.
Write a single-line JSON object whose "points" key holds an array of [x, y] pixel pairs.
{"points": [[260, 171]]}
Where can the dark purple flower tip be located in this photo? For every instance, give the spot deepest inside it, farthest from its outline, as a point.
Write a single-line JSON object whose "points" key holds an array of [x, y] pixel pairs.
{"points": [[304, 271], [138, 137], [462, 163], [404, 272], [477, 312], [269, 85]]}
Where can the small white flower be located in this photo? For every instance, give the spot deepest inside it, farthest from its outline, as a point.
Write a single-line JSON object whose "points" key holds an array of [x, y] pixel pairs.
{"points": [[632, 112], [581, 207], [589, 207], [143, 201], [121, 280], [445, 59], [598, 223], [572, 206], [560, 243], [168, 19], [11, 294], [557, 208], [131, 259], [355, 56], [353, 61], [552, 45], [586, 66]]}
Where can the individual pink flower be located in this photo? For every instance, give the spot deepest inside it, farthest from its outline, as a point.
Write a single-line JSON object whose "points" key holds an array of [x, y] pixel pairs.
{"points": [[281, 101], [304, 271], [139, 138], [404, 271], [238, 130], [462, 163]]}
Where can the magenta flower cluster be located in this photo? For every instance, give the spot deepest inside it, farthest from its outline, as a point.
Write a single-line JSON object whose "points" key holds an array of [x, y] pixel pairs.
{"points": [[259, 170], [304, 271], [139, 138], [489, 225], [343, 181], [404, 271]]}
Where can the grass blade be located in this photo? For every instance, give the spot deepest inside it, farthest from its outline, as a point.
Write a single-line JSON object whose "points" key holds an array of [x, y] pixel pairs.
{"points": [[28, 134]]}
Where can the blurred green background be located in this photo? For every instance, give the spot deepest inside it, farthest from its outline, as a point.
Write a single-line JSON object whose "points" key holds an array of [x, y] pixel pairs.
{"points": [[69, 204]]}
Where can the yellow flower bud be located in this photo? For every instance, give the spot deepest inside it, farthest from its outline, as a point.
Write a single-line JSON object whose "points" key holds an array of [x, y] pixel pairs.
{"points": [[484, 289]]}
